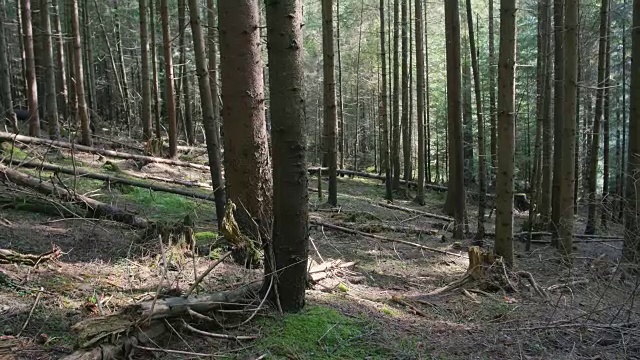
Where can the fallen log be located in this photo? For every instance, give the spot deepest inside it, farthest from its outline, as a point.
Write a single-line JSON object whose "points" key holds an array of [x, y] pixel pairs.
{"points": [[381, 238], [579, 238], [167, 180], [111, 153], [376, 228], [25, 202], [94, 208], [416, 211], [109, 178], [13, 257]]}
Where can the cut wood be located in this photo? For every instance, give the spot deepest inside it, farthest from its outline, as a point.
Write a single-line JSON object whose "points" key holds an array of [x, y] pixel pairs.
{"points": [[381, 238], [94, 208], [109, 178], [317, 272], [111, 153], [415, 211], [12, 257]]}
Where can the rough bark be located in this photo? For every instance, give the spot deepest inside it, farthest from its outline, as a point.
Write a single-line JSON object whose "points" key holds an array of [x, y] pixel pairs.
{"points": [[385, 165], [290, 196], [506, 133], [126, 100], [492, 89], [154, 69], [558, 100], [341, 125], [5, 82], [606, 116], [32, 87], [405, 92], [49, 72], [419, 34], [147, 126], [467, 132], [545, 118], [187, 114], [168, 78], [329, 99], [395, 104], [208, 112], [597, 120], [61, 73], [247, 163], [82, 110], [456, 193]]}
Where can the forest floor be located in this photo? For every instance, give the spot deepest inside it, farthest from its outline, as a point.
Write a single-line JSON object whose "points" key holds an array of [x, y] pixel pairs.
{"points": [[378, 309]]}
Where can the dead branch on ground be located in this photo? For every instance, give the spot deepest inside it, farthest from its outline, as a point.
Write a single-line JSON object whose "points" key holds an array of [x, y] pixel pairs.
{"points": [[13, 257]]}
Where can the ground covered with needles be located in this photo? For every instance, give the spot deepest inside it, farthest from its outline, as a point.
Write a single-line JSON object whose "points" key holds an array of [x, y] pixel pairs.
{"points": [[386, 302]]}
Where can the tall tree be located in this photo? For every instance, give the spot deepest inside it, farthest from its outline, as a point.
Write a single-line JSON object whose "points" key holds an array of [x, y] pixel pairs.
{"points": [[246, 153], [558, 91], [385, 165], [506, 130], [154, 69], [492, 89], [60, 68], [290, 198], [82, 110], [544, 117], [208, 114], [213, 76], [147, 125], [32, 92], [595, 142], [395, 144], [185, 91], [341, 125], [467, 132], [5, 82], [631, 249], [455, 203], [50, 75], [482, 161], [330, 110], [168, 78], [420, 97], [566, 218], [405, 91], [606, 108]]}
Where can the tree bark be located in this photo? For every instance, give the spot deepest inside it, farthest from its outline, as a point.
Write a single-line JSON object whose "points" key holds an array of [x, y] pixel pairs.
{"points": [[395, 133], [32, 87], [208, 111], [247, 163], [185, 92], [214, 130], [61, 73], [405, 92], [126, 103], [330, 110], [492, 90], [419, 24], [558, 100], [290, 196], [606, 108], [545, 118], [168, 78], [50, 75], [83, 114], [506, 133], [147, 126], [467, 132], [154, 68], [456, 193], [341, 125], [385, 165], [5, 82]]}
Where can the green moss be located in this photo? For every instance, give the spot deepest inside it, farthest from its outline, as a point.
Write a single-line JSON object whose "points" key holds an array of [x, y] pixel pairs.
{"points": [[319, 333], [158, 205], [7, 148], [205, 237]]}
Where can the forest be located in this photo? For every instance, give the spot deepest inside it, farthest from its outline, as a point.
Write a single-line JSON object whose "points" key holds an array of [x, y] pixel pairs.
{"points": [[321, 179]]}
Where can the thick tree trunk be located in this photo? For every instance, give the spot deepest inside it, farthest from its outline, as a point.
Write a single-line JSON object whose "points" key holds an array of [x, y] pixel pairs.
{"points": [[208, 111], [385, 165], [558, 100], [32, 92], [329, 97], [566, 219], [506, 134], [595, 142], [455, 203], [147, 126], [290, 197], [606, 108], [631, 249], [168, 78], [214, 130], [121, 68], [50, 75], [185, 91], [5, 82], [82, 110], [247, 163], [467, 132], [419, 24], [545, 118], [341, 126]]}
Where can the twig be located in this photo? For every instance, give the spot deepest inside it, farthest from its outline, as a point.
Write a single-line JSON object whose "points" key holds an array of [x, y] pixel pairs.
{"points": [[168, 351], [35, 303], [533, 283], [575, 325], [218, 336], [452, 285], [206, 272], [568, 284]]}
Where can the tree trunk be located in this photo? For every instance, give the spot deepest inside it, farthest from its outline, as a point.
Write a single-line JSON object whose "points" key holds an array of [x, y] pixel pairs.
{"points": [[395, 147], [329, 99], [83, 114], [606, 210], [214, 131], [427, 103], [569, 130], [341, 126], [5, 82], [50, 75], [355, 167], [290, 197], [87, 32], [545, 116], [208, 112], [121, 68], [492, 90], [467, 133], [34, 119], [147, 126], [506, 134], [60, 69], [154, 68], [168, 78], [247, 163], [595, 142], [385, 165], [482, 169], [405, 92], [456, 194], [558, 90], [631, 248], [419, 34]]}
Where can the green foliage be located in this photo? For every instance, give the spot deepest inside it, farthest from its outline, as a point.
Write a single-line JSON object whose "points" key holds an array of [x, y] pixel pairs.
{"points": [[319, 333], [205, 237], [164, 206]]}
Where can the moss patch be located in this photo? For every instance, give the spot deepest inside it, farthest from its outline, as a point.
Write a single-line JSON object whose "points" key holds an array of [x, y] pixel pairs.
{"points": [[203, 237], [319, 333], [165, 206]]}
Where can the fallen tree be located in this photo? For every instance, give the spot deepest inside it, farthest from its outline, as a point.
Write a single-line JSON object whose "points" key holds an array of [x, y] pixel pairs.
{"points": [[13, 257], [416, 211], [111, 153], [93, 208], [108, 178]]}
